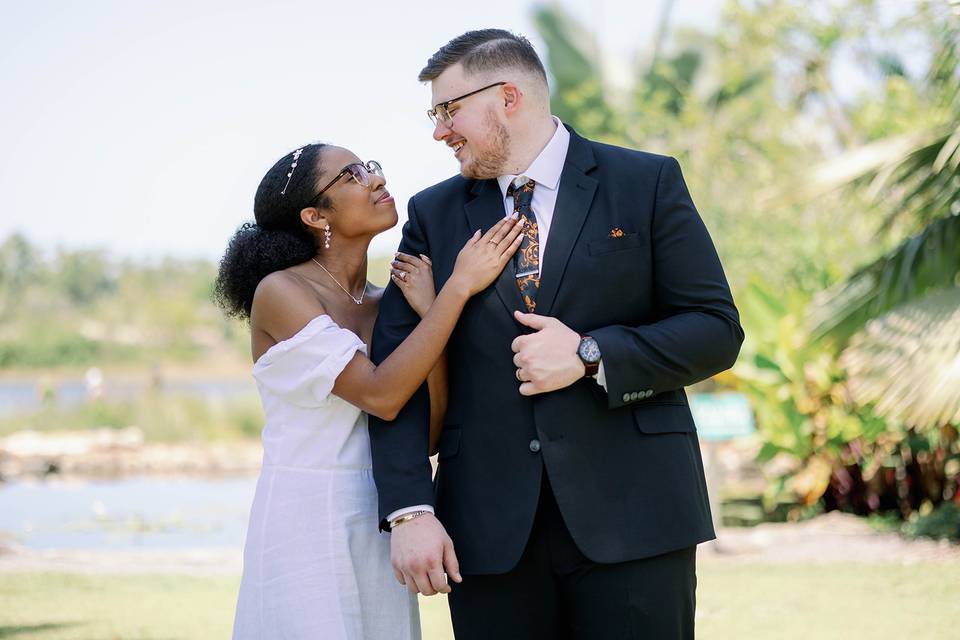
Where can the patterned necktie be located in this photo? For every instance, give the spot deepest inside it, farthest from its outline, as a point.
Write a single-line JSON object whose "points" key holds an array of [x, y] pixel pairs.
{"points": [[527, 258]]}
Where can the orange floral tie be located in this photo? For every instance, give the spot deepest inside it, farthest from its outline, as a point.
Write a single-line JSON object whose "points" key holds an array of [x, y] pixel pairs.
{"points": [[527, 258]]}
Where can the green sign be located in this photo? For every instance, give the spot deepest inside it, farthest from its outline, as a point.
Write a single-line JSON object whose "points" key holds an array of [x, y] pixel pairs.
{"points": [[722, 416]]}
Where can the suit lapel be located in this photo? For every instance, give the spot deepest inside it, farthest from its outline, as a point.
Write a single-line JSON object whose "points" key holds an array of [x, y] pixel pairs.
{"points": [[484, 211], [574, 197]]}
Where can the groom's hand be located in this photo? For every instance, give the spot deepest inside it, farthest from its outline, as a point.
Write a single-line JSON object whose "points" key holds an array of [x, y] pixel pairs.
{"points": [[546, 360], [421, 551]]}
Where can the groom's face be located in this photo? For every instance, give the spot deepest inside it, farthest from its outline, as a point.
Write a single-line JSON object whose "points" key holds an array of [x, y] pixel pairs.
{"points": [[477, 135]]}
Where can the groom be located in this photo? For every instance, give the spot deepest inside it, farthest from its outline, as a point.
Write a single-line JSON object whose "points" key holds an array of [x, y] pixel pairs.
{"points": [[570, 480]]}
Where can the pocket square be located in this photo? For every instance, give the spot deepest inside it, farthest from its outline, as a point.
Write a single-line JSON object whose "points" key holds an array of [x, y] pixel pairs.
{"points": [[616, 232]]}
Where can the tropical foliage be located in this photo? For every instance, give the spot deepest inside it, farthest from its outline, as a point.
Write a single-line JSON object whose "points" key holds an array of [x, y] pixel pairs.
{"points": [[834, 210]]}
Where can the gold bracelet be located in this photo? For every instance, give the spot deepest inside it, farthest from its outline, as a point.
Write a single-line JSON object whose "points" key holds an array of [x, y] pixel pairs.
{"points": [[407, 517]]}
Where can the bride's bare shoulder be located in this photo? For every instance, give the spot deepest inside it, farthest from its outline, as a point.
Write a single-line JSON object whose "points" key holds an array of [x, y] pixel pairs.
{"points": [[283, 303]]}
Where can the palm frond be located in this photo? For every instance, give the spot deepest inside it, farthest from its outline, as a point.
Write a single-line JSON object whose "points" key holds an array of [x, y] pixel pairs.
{"points": [[876, 158], [569, 47], [578, 91], [907, 362], [925, 262], [915, 179]]}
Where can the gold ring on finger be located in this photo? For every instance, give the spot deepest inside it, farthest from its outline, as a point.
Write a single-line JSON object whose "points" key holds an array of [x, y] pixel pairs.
{"points": [[519, 379]]}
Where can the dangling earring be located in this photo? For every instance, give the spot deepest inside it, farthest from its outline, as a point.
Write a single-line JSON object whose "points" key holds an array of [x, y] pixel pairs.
{"points": [[326, 237]]}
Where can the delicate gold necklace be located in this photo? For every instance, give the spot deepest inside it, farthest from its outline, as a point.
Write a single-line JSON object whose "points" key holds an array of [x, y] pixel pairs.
{"points": [[356, 300]]}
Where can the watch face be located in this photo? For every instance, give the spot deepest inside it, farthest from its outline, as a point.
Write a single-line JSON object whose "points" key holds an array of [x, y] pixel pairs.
{"points": [[589, 351]]}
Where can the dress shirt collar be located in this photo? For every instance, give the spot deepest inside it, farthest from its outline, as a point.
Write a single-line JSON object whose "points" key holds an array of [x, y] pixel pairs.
{"points": [[546, 167]]}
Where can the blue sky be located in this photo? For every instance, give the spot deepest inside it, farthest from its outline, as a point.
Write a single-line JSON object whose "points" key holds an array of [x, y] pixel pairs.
{"points": [[143, 128]]}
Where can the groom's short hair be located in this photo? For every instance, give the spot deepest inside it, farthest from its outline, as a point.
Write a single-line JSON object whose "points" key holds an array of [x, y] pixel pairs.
{"points": [[485, 50]]}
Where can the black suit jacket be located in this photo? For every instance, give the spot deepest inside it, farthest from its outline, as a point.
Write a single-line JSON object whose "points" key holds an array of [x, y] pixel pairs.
{"points": [[624, 465]]}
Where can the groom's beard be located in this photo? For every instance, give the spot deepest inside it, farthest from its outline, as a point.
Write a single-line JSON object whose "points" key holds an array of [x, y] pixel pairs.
{"points": [[488, 162]]}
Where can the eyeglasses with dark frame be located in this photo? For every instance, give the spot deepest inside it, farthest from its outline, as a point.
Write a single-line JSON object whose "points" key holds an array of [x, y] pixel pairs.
{"points": [[441, 113], [358, 171]]}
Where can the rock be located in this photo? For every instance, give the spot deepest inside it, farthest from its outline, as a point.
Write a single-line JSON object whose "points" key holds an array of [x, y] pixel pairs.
{"points": [[114, 452], [37, 444]]}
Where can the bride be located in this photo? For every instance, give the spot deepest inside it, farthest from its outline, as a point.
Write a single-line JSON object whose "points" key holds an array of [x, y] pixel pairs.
{"points": [[315, 565]]}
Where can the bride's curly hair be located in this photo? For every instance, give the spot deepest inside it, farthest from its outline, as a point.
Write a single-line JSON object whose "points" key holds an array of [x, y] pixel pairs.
{"points": [[278, 238]]}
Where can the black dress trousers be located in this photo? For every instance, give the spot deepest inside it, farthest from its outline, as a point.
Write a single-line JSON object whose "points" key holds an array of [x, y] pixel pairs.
{"points": [[556, 593]]}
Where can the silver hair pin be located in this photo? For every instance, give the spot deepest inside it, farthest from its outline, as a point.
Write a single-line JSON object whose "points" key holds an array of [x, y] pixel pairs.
{"points": [[296, 156]]}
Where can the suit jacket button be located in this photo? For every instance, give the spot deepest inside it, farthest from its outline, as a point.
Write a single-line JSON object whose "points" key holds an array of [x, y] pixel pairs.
{"points": [[535, 445], [648, 393], [626, 397], [634, 395]]}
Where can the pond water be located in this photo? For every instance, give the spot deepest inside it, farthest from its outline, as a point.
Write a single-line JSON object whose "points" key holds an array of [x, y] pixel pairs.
{"points": [[130, 513]]}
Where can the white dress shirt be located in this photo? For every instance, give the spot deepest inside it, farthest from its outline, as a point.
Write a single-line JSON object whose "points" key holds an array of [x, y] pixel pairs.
{"points": [[545, 170]]}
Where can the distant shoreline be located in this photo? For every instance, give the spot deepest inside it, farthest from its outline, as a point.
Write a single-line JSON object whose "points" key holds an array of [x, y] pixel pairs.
{"points": [[120, 453]]}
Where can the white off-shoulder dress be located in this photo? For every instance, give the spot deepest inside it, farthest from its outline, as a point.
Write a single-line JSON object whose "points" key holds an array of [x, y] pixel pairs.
{"points": [[314, 563]]}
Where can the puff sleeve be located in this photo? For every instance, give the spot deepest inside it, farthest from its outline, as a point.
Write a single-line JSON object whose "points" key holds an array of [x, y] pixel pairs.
{"points": [[303, 368]]}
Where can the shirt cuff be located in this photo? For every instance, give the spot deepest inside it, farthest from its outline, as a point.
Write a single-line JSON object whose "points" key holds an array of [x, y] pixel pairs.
{"points": [[601, 377], [400, 512]]}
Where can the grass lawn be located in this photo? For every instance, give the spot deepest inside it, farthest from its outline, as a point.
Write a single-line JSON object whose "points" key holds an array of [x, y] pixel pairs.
{"points": [[847, 601]]}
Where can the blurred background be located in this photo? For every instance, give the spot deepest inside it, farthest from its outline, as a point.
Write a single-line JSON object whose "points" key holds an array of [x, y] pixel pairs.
{"points": [[820, 141]]}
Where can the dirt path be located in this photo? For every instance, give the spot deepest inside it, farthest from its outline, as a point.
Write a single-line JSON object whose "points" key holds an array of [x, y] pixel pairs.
{"points": [[834, 537]]}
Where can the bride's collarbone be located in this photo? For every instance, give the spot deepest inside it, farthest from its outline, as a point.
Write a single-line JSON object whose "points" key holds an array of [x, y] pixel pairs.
{"points": [[358, 318]]}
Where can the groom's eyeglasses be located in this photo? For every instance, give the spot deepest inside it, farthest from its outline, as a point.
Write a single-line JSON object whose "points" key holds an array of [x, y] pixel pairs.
{"points": [[358, 171], [441, 112]]}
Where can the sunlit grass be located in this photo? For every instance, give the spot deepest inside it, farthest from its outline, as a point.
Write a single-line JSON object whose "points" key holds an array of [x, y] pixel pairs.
{"points": [[801, 602]]}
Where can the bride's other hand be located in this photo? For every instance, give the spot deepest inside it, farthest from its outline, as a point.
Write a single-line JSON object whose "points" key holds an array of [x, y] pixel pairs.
{"points": [[414, 277]]}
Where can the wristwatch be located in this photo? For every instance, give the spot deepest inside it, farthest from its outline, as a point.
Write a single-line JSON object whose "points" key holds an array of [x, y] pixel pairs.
{"points": [[589, 352]]}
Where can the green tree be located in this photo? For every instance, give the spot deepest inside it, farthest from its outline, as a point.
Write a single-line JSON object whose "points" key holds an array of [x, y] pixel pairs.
{"points": [[84, 276], [19, 266], [732, 107], [908, 361], [749, 111]]}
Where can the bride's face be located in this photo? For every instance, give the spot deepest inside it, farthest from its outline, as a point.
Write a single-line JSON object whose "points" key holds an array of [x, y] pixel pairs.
{"points": [[355, 201]]}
